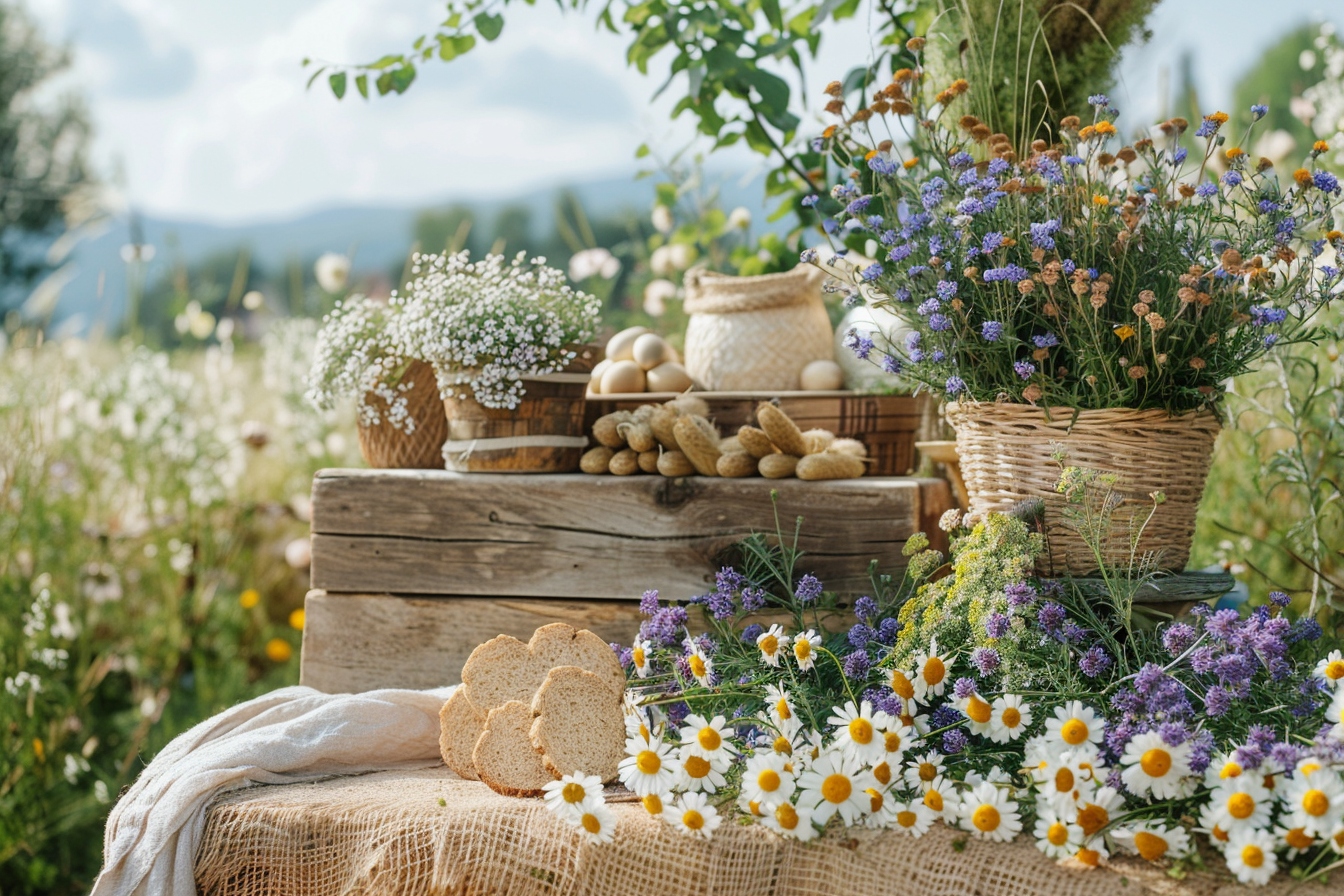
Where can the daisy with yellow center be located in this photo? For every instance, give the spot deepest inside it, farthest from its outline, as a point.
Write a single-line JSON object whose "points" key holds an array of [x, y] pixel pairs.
{"points": [[911, 818], [881, 808], [789, 820], [701, 666], [1241, 802], [656, 803], [1063, 782], [766, 778], [1331, 669], [805, 649], [1092, 853], [566, 794], [639, 656], [707, 738], [902, 684], [857, 733], [780, 709], [1154, 841], [1096, 813], [1336, 714], [692, 814], [1154, 767], [979, 714], [1058, 836], [835, 784], [941, 798], [930, 674], [989, 814], [923, 768], [1074, 725], [649, 767], [896, 739], [1010, 719], [1315, 801], [595, 821], [1251, 857], [700, 773], [772, 643], [1294, 839], [1221, 768]]}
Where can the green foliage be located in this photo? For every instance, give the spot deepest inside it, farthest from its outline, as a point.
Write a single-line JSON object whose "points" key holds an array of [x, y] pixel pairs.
{"points": [[1278, 74], [44, 173]]}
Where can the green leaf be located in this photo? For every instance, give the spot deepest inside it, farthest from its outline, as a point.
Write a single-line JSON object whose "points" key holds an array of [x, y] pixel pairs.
{"points": [[384, 83], [758, 139], [362, 85], [772, 14], [337, 82], [402, 77], [451, 47], [387, 61], [317, 74], [489, 26], [642, 151]]}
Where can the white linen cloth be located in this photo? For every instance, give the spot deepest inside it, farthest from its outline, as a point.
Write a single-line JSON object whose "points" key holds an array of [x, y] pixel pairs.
{"points": [[287, 736]]}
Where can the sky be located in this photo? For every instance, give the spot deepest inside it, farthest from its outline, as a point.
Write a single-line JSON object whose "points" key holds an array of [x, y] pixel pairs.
{"points": [[201, 110]]}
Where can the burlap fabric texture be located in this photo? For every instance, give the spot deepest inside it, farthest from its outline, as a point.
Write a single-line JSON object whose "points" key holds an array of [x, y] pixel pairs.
{"points": [[386, 447], [755, 333], [428, 832], [1006, 456]]}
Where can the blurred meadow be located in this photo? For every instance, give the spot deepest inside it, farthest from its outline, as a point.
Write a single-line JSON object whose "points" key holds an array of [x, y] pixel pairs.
{"points": [[158, 311]]}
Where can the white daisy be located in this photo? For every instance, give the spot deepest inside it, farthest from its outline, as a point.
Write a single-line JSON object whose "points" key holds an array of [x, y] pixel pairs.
{"points": [[570, 791], [649, 767], [1095, 813], [896, 739], [656, 803], [596, 820], [1063, 782], [1251, 857], [1315, 801], [766, 778], [1241, 802], [771, 643], [789, 820], [1092, 853], [1039, 749], [912, 818], [701, 665], [692, 814], [979, 714], [989, 814], [857, 733], [1222, 767], [805, 649], [995, 775], [1057, 836], [930, 674], [1337, 841], [703, 774], [1074, 725], [940, 796], [1011, 719], [1295, 839], [779, 706], [639, 655], [749, 806], [881, 808], [924, 768], [902, 684], [835, 783], [1208, 824], [1154, 767], [637, 727], [706, 739], [1154, 840], [1331, 669], [1336, 714]]}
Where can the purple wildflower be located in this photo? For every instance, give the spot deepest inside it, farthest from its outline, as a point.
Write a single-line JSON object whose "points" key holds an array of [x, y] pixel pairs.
{"points": [[991, 330], [1232, 179], [1019, 594], [752, 632], [946, 290], [859, 344], [996, 625], [1177, 638], [986, 660], [963, 688], [939, 322], [872, 272], [865, 608], [1279, 599], [1326, 182], [753, 599], [1095, 661], [808, 589], [1217, 700], [860, 634], [1024, 369], [1206, 189], [857, 665], [1045, 340], [648, 602], [1258, 111], [888, 630], [891, 364], [1051, 617], [954, 741], [955, 385]]}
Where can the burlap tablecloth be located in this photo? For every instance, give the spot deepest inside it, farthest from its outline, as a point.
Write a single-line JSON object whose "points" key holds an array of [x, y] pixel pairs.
{"points": [[429, 832]]}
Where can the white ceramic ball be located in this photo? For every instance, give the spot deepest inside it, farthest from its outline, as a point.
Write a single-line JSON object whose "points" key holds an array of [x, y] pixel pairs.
{"points": [[822, 375]]}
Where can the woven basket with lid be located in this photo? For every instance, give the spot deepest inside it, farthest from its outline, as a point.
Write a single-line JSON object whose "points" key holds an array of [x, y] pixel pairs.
{"points": [[1006, 457], [386, 447], [755, 333]]}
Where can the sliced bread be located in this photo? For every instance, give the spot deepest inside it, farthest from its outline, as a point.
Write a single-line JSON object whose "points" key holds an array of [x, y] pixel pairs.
{"points": [[504, 669], [460, 726], [504, 757], [578, 725]]}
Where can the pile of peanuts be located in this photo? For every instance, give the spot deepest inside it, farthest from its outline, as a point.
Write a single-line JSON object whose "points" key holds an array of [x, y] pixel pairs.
{"points": [[676, 439]]}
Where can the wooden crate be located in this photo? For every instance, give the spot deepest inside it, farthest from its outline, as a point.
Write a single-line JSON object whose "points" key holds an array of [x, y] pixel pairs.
{"points": [[887, 424], [413, 568]]}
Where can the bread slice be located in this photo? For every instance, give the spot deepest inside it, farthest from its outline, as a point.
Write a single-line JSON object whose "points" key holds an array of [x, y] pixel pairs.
{"points": [[460, 726], [578, 725], [504, 757], [504, 669]]}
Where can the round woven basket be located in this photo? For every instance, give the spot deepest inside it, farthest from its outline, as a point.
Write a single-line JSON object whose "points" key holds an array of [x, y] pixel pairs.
{"points": [[386, 447], [1005, 453], [543, 434], [755, 333]]}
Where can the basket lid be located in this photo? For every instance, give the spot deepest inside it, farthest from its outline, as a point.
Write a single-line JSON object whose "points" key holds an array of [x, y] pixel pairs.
{"points": [[708, 292]]}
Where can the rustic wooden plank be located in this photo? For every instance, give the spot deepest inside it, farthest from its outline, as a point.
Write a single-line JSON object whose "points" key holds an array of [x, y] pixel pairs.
{"points": [[434, 532], [363, 642]]}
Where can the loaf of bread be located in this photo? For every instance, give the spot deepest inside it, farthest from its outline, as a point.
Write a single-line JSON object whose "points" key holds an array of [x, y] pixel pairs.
{"points": [[577, 724], [505, 669], [460, 726], [504, 757]]}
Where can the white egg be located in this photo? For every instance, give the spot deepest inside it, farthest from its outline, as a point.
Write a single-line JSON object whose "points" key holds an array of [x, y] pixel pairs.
{"points": [[669, 377], [595, 383], [649, 351], [822, 375], [621, 346], [623, 376]]}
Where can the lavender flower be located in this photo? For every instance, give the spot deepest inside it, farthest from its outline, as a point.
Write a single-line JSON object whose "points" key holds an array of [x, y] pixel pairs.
{"points": [[810, 201], [996, 625], [1012, 273], [1042, 234], [752, 632], [1217, 700], [992, 241], [939, 322], [1177, 638], [891, 364], [872, 272], [1050, 617], [944, 715], [856, 666], [858, 206], [1024, 369], [859, 344], [865, 608], [1279, 599], [1100, 100], [963, 688], [648, 602], [753, 599], [1258, 111], [1326, 182], [955, 741], [955, 385], [860, 634], [929, 306], [1020, 594], [1206, 189], [1232, 179], [1095, 661], [991, 330], [1045, 340], [665, 626], [900, 253], [808, 589], [986, 660], [888, 630], [946, 290]]}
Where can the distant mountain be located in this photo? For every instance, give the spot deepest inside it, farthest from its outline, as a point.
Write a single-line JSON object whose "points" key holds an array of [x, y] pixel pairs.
{"points": [[94, 287]]}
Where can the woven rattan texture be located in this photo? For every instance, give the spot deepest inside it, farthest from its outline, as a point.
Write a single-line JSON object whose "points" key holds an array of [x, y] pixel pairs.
{"points": [[386, 447], [1006, 457], [387, 834], [755, 333]]}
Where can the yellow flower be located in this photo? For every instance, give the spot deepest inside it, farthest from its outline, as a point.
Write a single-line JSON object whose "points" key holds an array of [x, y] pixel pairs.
{"points": [[296, 619], [1105, 128], [1220, 117], [249, 598], [1302, 176], [1100, 200], [911, 162], [868, 156], [1234, 152], [1125, 331], [39, 749], [1320, 146], [829, 132], [278, 650]]}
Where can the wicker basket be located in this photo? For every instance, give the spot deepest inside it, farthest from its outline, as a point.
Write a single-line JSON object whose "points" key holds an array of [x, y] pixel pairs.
{"points": [[755, 333], [1005, 451], [386, 447], [544, 434]]}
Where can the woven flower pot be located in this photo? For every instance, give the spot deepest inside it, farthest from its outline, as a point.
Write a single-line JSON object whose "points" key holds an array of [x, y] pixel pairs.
{"points": [[755, 333], [543, 434], [386, 447], [1005, 451]]}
